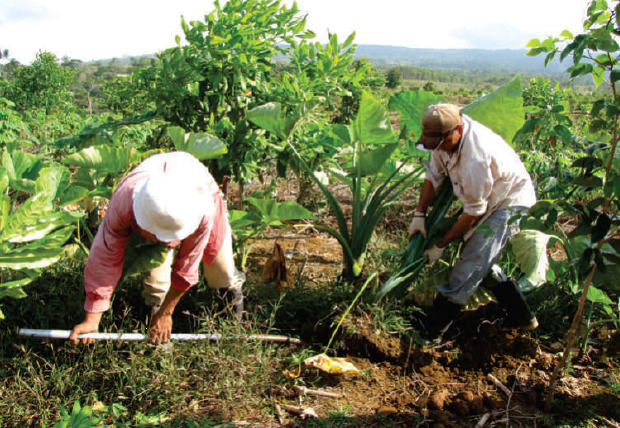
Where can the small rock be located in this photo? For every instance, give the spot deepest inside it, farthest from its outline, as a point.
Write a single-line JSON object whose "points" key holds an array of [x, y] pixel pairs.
{"points": [[387, 410]]}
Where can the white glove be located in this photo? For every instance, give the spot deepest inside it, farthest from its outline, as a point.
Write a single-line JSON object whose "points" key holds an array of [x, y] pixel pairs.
{"points": [[417, 225], [433, 254]]}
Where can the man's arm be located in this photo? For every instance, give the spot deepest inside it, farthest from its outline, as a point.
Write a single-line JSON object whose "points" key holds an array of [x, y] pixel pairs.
{"points": [[161, 324], [464, 223]]}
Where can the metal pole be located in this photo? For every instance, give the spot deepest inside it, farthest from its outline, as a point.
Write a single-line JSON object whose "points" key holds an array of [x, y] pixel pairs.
{"points": [[136, 337]]}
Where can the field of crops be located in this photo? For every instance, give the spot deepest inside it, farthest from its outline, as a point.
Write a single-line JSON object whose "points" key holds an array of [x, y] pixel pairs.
{"points": [[317, 160]]}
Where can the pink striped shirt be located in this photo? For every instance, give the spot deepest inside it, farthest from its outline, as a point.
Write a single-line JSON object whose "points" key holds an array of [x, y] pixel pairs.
{"points": [[105, 263]]}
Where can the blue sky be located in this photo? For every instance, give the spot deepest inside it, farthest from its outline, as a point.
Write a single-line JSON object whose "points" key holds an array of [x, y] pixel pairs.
{"points": [[89, 30]]}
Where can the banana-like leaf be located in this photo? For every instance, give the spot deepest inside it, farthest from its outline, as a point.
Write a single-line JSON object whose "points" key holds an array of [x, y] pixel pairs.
{"points": [[105, 158], [54, 181], [530, 249], [272, 211], [201, 146], [34, 220], [30, 258], [55, 239], [14, 289], [501, 110]]}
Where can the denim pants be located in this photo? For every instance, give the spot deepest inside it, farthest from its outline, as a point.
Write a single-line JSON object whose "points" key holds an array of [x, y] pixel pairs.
{"points": [[479, 254]]}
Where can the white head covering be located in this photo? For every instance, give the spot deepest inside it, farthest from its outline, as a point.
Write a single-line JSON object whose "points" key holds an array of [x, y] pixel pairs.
{"points": [[171, 206]]}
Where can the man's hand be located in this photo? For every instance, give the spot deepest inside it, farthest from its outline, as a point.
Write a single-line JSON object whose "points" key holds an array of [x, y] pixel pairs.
{"points": [[89, 325], [417, 225], [161, 327], [433, 254]]}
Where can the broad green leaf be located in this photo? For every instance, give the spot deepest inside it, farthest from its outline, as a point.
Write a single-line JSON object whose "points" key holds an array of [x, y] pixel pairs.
{"points": [[201, 146], [530, 249], [501, 110], [372, 124], [142, 256], [13, 289], [33, 221], [240, 219], [411, 106], [268, 117], [30, 259], [596, 295], [103, 158], [272, 211], [373, 161]]}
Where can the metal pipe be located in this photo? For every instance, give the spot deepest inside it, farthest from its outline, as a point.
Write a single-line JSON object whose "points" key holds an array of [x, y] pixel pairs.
{"points": [[136, 337]]}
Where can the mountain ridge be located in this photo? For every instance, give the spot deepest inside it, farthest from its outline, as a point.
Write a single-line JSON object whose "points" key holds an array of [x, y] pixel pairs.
{"points": [[509, 60]]}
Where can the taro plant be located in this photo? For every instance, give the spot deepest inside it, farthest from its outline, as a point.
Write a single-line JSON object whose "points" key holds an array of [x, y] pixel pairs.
{"points": [[595, 53], [32, 232], [262, 214], [366, 146]]}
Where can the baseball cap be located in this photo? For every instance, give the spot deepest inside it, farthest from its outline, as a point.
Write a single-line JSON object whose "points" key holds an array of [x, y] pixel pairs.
{"points": [[437, 121]]}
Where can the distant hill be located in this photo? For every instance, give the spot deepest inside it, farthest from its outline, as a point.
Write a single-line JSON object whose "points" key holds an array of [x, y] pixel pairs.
{"points": [[493, 60], [508, 60]]}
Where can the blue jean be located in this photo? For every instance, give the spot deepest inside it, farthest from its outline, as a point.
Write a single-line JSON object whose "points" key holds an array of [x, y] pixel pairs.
{"points": [[478, 256]]}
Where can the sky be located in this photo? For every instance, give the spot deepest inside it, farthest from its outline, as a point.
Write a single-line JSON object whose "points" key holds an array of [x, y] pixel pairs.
{"points": [[90, 30]]}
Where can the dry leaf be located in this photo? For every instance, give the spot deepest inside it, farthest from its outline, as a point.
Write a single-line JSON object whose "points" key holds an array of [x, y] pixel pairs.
{"points": [[275, 270], [331, 365]]}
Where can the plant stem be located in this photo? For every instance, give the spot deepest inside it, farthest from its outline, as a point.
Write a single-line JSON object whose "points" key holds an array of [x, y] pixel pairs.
{"points": [[357, 296], [572, 334]]}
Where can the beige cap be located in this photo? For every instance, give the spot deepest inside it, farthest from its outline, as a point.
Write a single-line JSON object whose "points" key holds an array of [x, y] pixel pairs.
{"points": [[171, 206], [437, 121]]}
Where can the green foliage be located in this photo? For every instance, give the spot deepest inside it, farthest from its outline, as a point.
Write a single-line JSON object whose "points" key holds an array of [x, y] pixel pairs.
{"points": [[262, 214], [201, 146], [393, 79], [366, 145], [501, 110], [80, 417], [31, 233], [44, 84], [547, 121]]}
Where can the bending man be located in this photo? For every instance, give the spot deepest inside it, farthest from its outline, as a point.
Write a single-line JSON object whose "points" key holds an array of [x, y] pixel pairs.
{"points": [[491, 184], [169, 198]]}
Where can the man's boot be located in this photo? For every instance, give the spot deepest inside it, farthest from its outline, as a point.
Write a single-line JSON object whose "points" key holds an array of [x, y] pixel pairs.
{"points": [[444, 312], [512, 300], [234, 298]]}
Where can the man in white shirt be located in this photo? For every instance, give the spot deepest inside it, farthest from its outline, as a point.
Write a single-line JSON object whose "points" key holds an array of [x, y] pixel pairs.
{"points": [[492, 185]]}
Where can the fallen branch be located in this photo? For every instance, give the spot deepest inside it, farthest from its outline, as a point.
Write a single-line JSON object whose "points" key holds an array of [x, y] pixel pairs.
{"points": [[483, 420], [137, 337], [303, 412], [302, 390], [499, 384]]}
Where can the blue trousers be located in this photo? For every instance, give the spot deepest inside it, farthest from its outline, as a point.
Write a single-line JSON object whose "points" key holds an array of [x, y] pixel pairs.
{"points": [[479, 255]]}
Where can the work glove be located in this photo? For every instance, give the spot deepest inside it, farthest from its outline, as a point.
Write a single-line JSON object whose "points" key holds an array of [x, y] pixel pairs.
{"points": [[417, 225], [433, 254]]}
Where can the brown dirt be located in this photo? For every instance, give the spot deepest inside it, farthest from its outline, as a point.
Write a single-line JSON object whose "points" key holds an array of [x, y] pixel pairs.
{"points": [[480, 376]]}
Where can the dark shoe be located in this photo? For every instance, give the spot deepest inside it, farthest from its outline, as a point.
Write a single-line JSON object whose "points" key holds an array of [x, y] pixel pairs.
{"points": [[233, 298], [512, 300], [443, 314]]}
